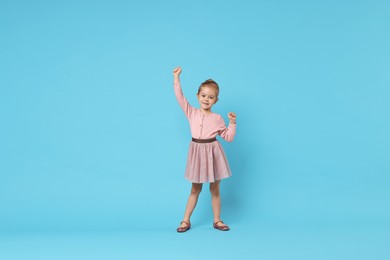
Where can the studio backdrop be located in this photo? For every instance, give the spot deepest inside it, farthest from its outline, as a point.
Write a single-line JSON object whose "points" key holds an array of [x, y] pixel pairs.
{"points": [[92, 137]]}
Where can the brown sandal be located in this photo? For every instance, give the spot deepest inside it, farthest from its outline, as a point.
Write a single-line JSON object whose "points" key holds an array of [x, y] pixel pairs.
{"points": [[184, 229], [222, 228]]}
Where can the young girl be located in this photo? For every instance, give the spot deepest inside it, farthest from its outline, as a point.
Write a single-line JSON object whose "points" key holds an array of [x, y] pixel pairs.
{"points": [[206, 159]]}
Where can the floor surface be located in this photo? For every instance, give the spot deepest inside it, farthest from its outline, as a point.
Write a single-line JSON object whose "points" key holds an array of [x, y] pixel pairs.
{"points": [[243, 241]]}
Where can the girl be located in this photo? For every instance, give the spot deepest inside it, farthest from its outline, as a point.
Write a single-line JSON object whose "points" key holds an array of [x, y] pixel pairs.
{"points": [[206, 159]]}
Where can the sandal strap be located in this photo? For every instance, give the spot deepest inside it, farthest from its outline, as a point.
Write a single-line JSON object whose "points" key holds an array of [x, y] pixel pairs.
{"points": [[185, 222], [219, 221]]}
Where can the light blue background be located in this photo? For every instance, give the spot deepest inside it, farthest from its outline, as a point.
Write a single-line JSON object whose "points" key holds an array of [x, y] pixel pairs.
{"points": [[92, 138]]}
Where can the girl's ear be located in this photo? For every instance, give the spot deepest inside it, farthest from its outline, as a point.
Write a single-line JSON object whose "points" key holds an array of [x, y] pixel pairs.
{"points": [[216, 100]]}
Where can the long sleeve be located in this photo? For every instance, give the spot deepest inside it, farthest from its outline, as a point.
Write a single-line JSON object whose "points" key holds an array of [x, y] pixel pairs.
{"points": [[226, 133], [187, 108]]}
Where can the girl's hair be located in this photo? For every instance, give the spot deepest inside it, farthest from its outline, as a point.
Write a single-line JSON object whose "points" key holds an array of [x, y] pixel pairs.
{"points": [[210, 84]]}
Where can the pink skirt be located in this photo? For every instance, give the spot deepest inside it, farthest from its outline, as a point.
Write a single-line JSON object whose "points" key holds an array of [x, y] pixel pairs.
{"points": [[206, 163]]}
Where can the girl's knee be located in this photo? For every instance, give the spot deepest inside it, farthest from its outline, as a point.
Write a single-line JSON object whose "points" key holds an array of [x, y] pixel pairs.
{"points": [[196, 189], [214, 192], [214, 189]]}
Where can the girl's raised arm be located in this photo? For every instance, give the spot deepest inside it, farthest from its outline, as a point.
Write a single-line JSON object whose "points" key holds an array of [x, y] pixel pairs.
{"points": [[187, 108], [176, 72], [229, 132]]}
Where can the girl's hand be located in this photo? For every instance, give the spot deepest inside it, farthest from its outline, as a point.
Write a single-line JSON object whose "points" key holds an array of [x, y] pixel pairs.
{"points": [[232, 117], [176, 72]]}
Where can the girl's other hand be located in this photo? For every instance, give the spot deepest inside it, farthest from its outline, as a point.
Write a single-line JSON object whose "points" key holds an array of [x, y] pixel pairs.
{"points": [[232, 117], [177, 71]]}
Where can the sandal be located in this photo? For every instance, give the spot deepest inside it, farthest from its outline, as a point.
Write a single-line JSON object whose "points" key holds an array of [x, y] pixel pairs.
{"points": [[184, 229], [222, 228]]}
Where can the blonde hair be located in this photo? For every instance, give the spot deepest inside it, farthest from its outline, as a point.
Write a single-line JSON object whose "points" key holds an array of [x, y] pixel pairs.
{"points": [[210, 84]]}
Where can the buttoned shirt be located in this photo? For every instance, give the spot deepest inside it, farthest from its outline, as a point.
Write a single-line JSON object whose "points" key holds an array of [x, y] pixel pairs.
{"points": [[204, 126]]}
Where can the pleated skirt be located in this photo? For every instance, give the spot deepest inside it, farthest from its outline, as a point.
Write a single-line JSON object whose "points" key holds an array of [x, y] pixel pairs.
{"points": [[206, 162]]}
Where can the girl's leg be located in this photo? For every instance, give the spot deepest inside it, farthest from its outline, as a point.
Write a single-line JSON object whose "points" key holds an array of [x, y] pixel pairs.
{"points": [[192, 200], [216, 203]]}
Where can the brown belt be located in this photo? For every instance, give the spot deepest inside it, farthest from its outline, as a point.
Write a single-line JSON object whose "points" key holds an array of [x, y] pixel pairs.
{"points": [[204, 140]]}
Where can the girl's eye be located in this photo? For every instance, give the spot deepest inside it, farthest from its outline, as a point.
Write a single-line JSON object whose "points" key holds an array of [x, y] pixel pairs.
{"points": [[203, 95], [211, 97]]}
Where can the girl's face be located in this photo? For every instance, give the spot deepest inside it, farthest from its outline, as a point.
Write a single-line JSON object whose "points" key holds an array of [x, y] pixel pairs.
{"points": [[207, 97]]}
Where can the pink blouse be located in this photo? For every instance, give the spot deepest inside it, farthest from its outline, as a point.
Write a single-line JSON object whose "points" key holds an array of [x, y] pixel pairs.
{"points": [[204, 126]]}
